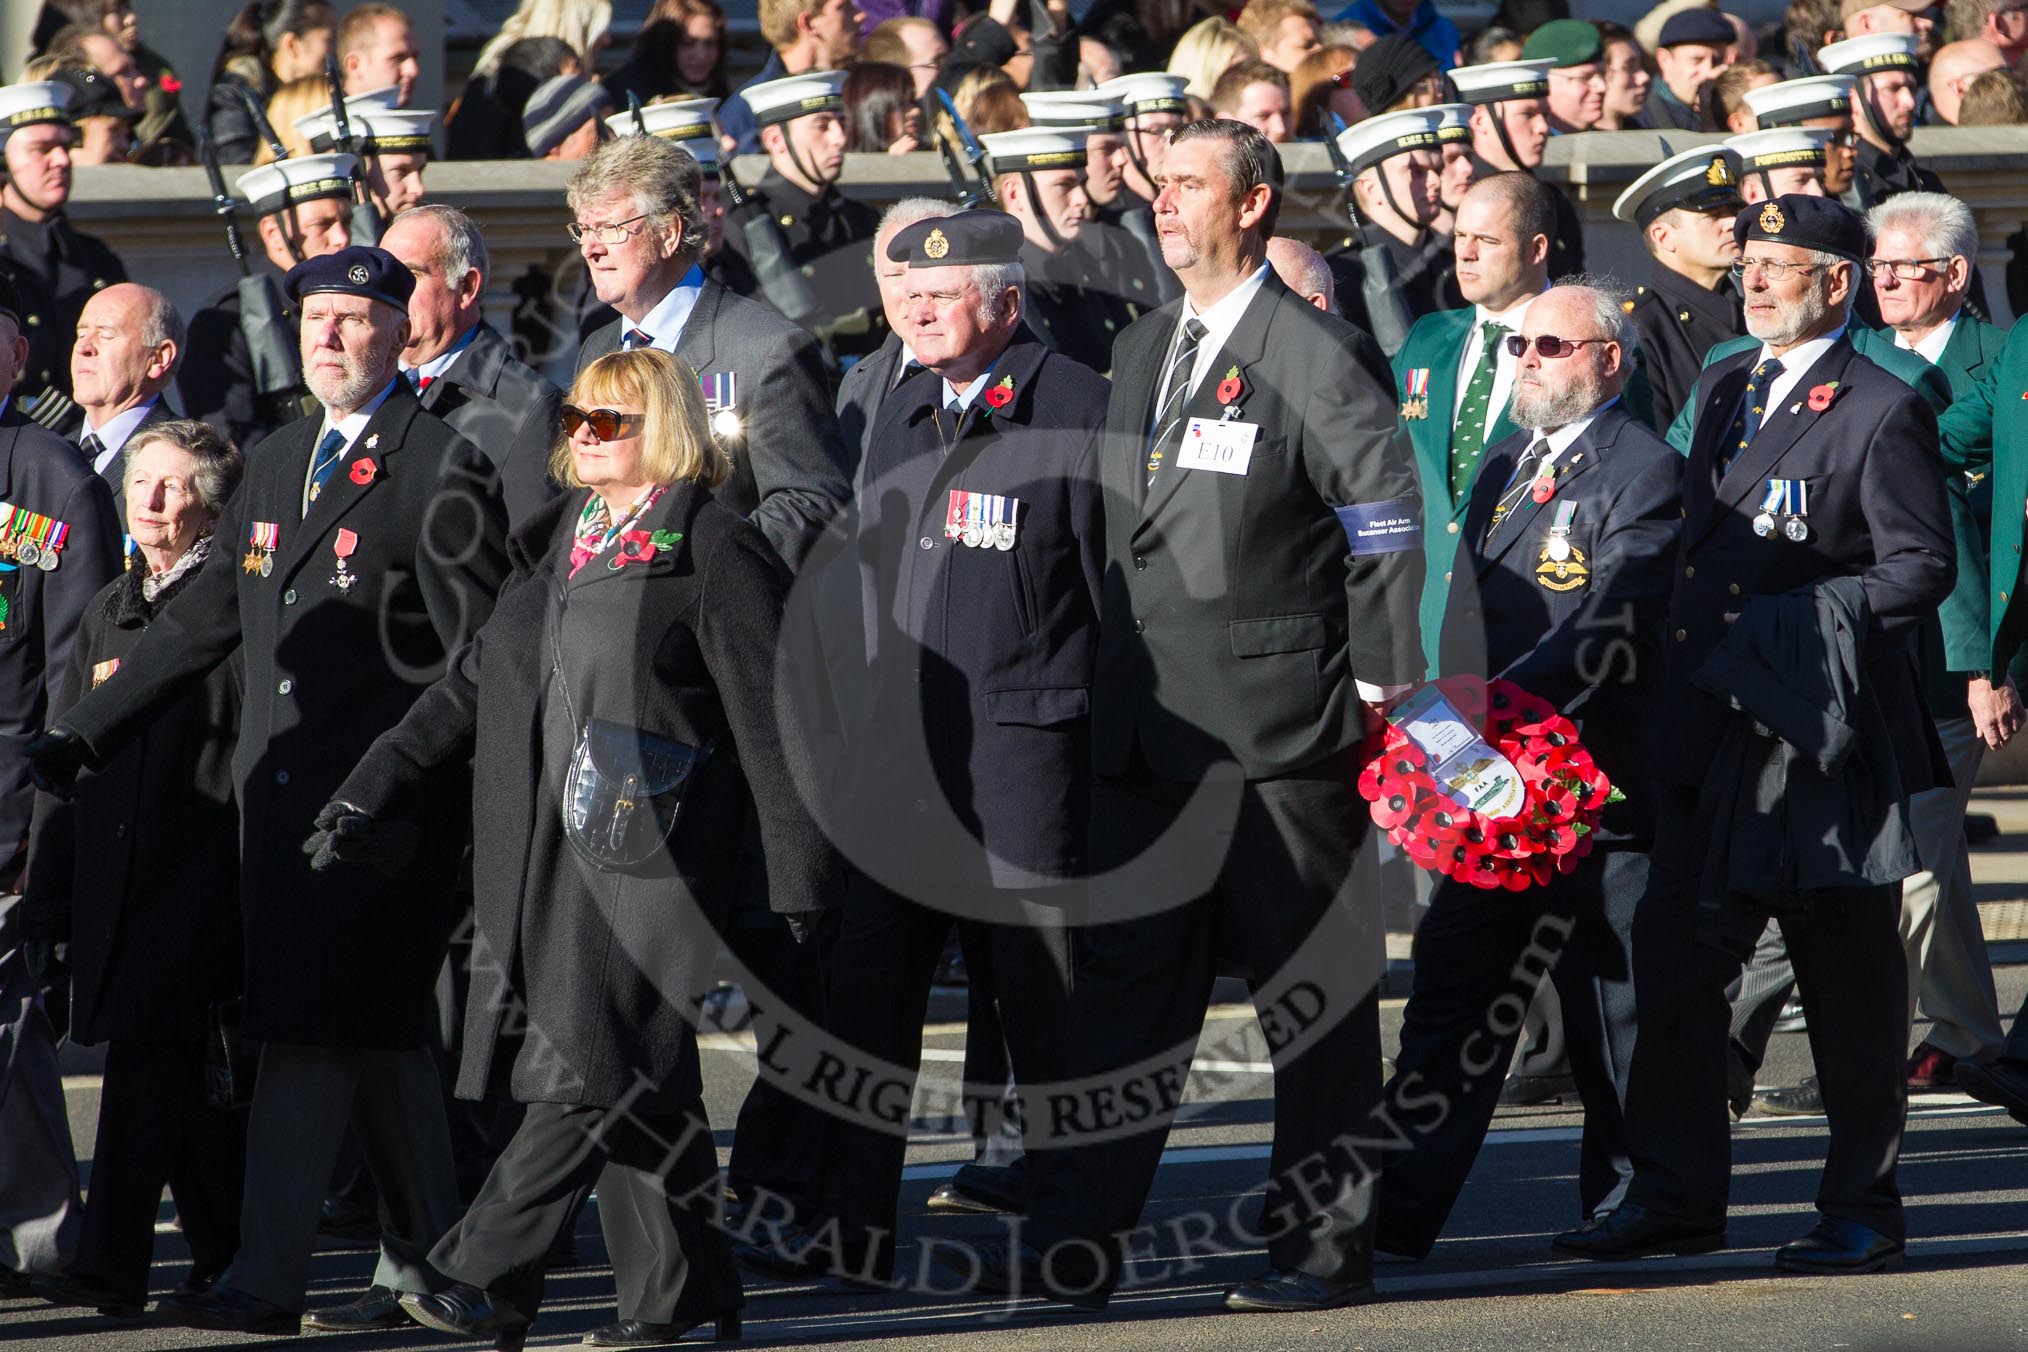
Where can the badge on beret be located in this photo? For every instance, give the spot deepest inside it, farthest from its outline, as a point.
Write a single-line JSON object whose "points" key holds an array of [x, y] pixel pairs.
{"points": [[1771, 219], [936, 246], [1719, 175], [356, 274]]}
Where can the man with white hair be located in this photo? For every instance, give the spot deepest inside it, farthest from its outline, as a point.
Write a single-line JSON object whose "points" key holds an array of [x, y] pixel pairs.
{"points": [[1571, 530], [130, 342], [875, 376]]}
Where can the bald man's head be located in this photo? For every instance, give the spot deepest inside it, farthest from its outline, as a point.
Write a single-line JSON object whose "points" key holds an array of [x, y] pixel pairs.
{"points": [[1953, 69], [1304, 271]]}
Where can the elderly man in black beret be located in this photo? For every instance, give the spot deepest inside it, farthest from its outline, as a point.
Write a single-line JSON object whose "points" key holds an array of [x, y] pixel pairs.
{"points": [[979, 513], [365, 545], [1815, 537]]}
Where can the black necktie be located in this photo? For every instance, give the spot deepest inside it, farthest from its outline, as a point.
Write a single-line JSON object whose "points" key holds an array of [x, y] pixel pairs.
{"points": [[1169, 423], [635, 338], [1748, 421], [1522, 480], [93, 448]]}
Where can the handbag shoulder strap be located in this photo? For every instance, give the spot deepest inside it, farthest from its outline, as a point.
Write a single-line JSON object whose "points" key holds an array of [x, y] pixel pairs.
{"points": [[555, 623]]}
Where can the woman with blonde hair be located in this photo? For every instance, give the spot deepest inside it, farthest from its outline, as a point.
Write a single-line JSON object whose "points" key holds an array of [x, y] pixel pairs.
{"points": [[297, 98], [1207, 50], [627, 672]]}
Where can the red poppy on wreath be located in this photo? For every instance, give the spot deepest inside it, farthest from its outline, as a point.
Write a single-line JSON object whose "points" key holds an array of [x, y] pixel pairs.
{"points": [[363, 471], [1229, 388], [1001, 395], [1822, 395]]}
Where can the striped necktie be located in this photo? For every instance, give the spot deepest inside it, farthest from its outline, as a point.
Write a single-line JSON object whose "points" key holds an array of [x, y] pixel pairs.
{"points": [[324, 463], [1169, 423]]}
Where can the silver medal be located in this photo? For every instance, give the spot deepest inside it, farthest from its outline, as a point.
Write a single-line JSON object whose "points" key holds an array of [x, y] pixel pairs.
{"points": [[1764, 525], [1559, 549], [47, 560], [1003, 535], [29, 552], [267, 565], [971, 535], [1796, 529]]}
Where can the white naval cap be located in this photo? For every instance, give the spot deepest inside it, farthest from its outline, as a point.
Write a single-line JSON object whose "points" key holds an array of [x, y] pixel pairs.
{"points": [[1454, 122], [1779, 148], [1792, 102], [1149, 91], [1367, 143], [794, 96], [1010, 152], [1499, 81], [1870, 55], [268, 188], [375, 130], [1087, 108], [1700, 179], [687, 122], [384, 99], [38, 101]]}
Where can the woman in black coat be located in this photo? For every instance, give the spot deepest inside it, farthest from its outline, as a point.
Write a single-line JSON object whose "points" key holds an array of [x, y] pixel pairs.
{"points": [[638, 610], [140, 874]]}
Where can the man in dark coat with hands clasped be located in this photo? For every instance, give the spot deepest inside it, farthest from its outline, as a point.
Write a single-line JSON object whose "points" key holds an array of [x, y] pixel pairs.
{"points": [[1816, 536], [1263, 569], [364, 547]]}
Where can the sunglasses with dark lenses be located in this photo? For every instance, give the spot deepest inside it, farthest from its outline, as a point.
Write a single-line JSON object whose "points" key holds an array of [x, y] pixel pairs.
{"points": [[1548, 345], [606, 423]]}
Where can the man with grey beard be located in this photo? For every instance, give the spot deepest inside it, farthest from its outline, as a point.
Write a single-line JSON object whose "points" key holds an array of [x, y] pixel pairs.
{"points": [[366, 545], [1561, 576], [1815, 538]]}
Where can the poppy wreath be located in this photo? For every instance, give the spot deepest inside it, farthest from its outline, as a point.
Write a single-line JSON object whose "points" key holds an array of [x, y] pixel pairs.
{"points": [[1565, 793]]}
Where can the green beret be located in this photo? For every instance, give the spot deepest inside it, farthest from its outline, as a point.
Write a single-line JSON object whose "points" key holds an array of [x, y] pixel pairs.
{"points": [[1567, 42]]}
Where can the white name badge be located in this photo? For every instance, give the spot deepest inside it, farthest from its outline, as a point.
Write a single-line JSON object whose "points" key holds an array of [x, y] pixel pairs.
{"points": [[1221, 447]]}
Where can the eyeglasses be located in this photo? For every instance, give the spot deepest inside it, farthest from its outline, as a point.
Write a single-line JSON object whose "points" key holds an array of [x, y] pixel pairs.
{"points": [[1774, 268], [1844, 140], [1548, 345], [615, 233], [1904, 269], [606, 423]]}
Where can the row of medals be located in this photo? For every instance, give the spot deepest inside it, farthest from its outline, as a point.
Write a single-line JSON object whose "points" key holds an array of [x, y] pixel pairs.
{"points": [[1792, 526], [28, 553], [976, 535]]}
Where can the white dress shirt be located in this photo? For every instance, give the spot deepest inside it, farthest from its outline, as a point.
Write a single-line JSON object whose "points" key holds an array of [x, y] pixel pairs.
{"points": [[960, 400], [1796, 364], [664, 324], [444, 360], [1931, 348], [349, 428], [1562, 438], [113, 436], [1504, 366], [1219, 321]]}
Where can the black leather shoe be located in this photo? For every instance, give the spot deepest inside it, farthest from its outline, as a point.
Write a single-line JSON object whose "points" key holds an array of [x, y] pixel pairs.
{"points": [[228, 1311], [1838, 1246], [791, 1253], [1630, 1230], [88, 1294], [640, 1333], [1803, 1100], [343, 1223], [2004, 1082], [1532, 1091], [463, 1310], [1003, 1269], [377, 1309], [980, 1188], [1285, 1289]]}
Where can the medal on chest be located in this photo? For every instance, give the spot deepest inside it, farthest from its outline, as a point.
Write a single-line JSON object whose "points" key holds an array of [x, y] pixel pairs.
{"points": [[982, 520], [1415, 393], [343, 545], [263, 539], [1562, 564], [30, 538], [1787, 506]]}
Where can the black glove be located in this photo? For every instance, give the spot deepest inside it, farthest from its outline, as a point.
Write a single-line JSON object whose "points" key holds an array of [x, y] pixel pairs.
{"points": [[347, 835], [54, 758], [48, 964]]}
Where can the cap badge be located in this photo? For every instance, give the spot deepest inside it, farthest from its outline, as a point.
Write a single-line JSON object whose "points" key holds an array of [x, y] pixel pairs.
{"points": [[936, 246], [1771, 219], [356, 274], [1719, 175]]}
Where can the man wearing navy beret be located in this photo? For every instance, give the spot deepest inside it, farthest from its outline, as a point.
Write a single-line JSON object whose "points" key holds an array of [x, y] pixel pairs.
{"points": [[1816, 536], [364, 547]]}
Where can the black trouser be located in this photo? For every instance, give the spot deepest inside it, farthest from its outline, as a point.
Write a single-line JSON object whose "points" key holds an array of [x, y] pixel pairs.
{"points": [[1143, 986], [671, 1264], [880, 974], [1479, 956], [778, 1139], [156, 1128], [1846, 947]]}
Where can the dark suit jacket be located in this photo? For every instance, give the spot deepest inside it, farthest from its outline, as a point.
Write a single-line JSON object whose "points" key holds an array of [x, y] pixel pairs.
{"points": [[42, 472], [115, 472], [1584, 639], [1877, 511], [788, 467], [345, 958], [1235, 619], [860, 395], [508, 410]]}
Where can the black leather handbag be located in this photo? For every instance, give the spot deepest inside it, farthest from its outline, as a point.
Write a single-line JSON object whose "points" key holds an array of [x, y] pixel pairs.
{"points": [[623, 792]]}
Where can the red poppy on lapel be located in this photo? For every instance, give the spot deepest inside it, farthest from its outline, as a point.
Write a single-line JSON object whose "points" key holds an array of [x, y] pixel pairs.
{"points": [[634, 546], [1822, 395], [1230, 387], [363, 471], [1001, 395]]}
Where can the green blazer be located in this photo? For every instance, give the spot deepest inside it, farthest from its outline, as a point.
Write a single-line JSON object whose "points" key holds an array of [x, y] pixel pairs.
{"points": [[1986, 432], [1965, 618], [1435, 344]]}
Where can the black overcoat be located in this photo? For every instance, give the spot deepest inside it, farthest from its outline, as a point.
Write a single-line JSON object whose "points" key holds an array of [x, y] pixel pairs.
{"points": [[578, 976], [146, 858], [506, 408], [333, 959]]}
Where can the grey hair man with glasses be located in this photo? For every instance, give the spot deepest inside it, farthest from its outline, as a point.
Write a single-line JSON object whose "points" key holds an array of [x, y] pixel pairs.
{"points": [[639, 225], [1816, 535], [1559, 583]]}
